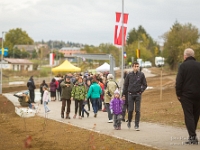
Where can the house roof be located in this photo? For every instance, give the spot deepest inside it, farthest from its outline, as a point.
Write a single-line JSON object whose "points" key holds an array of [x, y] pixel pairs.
{"points": [[18, 61], [71, 48]]}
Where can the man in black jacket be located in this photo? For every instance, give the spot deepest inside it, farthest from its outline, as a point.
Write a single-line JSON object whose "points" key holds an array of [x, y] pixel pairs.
{"points": [[31, 88], [188, 92], [134, 85]]}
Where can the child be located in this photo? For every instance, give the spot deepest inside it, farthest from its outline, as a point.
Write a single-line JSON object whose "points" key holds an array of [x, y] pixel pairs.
{"points": [[116, 105], [45, 99]]}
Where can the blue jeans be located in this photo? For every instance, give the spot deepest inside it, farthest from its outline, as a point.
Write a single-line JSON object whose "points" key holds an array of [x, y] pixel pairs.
{"points": [[95, 104], [45, 106]]}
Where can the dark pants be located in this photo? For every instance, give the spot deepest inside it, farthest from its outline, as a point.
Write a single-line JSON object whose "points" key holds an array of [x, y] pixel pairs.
{"points": [[41, 101], [191, 109], [99, 104], [83, 110], [117, 120], [124, 110], [110, 116], [32, 96], [134, 101], [78, 105], [64, 104], [125, 107], [88, 102]]}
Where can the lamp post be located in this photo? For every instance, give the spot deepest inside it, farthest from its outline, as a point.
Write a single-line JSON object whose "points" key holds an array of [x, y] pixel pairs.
{"points": [[1, 62]]}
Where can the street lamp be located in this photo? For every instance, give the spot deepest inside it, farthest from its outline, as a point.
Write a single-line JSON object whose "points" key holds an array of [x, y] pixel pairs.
{"points": [[1, 62]]}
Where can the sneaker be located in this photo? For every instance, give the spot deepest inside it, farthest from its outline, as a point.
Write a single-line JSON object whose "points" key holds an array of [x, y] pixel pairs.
{"points": [[95, 115], [110, 121], [88, 114], [129, 124], [123, 120], [137, 128]]}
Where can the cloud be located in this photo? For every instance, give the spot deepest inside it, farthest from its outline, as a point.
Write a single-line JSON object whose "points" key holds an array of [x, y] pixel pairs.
{"points": [[92, 21]]}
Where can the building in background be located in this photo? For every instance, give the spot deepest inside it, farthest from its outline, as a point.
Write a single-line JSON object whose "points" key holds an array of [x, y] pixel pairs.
{"points": [[17, 64]]}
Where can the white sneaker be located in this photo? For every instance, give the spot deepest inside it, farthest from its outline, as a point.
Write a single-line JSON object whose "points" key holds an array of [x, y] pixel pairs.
{"points": [[110, 121]]}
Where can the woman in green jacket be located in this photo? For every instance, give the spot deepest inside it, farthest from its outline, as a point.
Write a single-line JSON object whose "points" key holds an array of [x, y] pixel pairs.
{"points": [[79, 93]]}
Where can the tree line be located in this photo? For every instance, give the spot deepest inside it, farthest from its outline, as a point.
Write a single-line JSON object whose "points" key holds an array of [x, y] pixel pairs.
{"points": [[179, 37]]}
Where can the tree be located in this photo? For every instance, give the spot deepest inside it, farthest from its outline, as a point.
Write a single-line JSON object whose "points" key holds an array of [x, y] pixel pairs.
{"points": [[147, 44], [17, 37], [176, 40]]}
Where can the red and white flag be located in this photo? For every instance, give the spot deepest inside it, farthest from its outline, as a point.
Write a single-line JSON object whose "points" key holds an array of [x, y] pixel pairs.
{"points": [[51, 59], [118, 28]]}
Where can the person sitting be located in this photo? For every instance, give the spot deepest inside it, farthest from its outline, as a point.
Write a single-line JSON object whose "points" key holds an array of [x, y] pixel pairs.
{"points": [[24, 100]]}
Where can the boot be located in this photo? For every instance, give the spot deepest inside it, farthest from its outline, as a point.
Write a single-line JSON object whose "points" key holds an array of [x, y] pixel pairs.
{"points": [[88, 114], [62, 115], [67, 116]]}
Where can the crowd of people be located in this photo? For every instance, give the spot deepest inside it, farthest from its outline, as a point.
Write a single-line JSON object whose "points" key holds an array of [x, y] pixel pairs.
{"points": [[99, 91]]}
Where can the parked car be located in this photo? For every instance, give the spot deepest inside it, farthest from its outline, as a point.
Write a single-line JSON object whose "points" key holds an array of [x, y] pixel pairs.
{"points": [[147, 64]]}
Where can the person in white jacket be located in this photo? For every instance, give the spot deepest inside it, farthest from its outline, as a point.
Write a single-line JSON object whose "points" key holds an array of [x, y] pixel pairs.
{"points": [[45, 99]]}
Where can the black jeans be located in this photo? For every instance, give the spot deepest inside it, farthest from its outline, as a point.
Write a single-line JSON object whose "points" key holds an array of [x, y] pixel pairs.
{"points": [[134, 100], [88, 102], [78, 105], [191, 109], [32, 96]]}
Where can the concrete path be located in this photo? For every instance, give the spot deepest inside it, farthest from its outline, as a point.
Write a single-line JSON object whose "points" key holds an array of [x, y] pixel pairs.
{"points": [[154, 135], [150, 134]]}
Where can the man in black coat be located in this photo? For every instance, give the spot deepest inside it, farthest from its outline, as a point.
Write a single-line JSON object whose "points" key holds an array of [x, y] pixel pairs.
{"points": [[134, 85], [188, 92], [31, 88]]}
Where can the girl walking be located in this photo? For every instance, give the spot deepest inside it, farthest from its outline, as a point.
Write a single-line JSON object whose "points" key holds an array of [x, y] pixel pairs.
{"points": [[45, 99], [116, 105]]}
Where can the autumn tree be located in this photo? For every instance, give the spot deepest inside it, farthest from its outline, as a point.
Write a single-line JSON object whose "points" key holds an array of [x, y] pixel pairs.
{"points": [[16, 37], [180, 37]]}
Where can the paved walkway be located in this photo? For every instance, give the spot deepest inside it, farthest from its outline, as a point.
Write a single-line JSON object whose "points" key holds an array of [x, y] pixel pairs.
{"points": [[150, 134]]}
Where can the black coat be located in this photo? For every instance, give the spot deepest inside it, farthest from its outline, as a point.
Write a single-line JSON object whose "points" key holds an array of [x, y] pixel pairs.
{"points": [[188, 79], [135, 83]]}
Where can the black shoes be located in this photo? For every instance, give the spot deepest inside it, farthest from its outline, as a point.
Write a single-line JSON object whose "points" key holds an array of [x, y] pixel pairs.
{"points": [[62, 115], [192, 141], [129, 125]]}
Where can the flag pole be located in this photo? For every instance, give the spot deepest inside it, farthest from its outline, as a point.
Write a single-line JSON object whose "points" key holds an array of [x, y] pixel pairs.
{"points": [[122, 69]]}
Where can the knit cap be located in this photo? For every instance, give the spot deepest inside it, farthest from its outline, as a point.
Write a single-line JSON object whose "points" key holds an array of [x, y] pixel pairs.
{"points": [[117, 92]]}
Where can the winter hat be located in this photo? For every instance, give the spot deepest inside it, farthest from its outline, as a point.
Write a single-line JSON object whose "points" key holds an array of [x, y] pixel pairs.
{"points": [[117, 92]]}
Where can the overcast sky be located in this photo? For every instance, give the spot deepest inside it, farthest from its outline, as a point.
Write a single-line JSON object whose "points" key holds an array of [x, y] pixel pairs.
{"points": [[93, 21]]}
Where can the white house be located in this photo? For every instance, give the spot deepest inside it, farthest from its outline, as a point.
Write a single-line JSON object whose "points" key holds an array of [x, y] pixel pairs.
{"points": [[17, 64]]}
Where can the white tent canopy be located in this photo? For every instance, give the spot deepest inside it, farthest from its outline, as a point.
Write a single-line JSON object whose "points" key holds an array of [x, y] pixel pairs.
{"points": [[103, 68]]}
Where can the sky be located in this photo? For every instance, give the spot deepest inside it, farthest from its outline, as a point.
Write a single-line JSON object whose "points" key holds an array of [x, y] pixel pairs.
{"points": [[92, 22]]}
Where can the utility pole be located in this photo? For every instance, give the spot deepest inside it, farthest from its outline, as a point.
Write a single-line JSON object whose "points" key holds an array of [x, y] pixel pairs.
{"points": [[1, 87], [122, 69]]}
